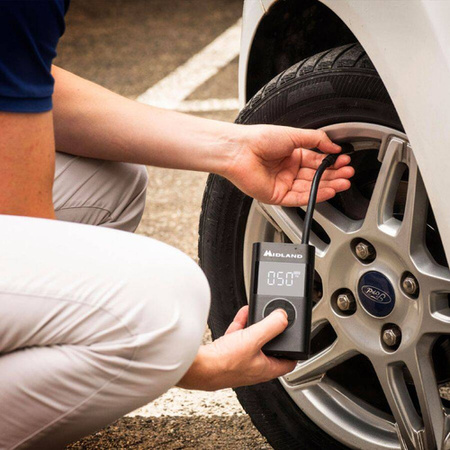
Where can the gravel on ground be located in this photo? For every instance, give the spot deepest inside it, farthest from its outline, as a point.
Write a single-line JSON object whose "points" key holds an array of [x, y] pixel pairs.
{"points": [[193, 433]]}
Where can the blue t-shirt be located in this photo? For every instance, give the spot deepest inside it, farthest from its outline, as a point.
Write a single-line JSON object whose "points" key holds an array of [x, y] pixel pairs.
{"points": [[29, 33]]}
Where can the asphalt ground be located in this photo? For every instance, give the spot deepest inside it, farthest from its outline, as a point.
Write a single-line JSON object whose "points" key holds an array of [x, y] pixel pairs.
{"points": [[129, 46]]}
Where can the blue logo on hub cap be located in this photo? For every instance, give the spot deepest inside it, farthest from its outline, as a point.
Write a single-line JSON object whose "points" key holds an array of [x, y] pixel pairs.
{"points": [[376, 294]]}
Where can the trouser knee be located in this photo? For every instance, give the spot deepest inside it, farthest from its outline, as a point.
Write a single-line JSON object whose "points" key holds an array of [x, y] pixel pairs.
{"points": [[97, 192], [172, 322], [129, 214]]}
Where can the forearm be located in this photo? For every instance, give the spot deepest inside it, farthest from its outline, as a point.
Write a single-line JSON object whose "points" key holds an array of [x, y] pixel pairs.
{"points": [[27, 164], [95, 122], [205, 373], [267, 162], [236, 359]]}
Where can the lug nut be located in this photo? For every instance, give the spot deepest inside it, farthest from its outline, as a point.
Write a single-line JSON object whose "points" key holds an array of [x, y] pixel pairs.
{"points": [[391, 337], [346, 302], [364, 251], [410, 285]]}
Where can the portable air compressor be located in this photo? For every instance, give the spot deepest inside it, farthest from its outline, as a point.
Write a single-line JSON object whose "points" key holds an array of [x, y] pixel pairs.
{"points": [[282, 278]]}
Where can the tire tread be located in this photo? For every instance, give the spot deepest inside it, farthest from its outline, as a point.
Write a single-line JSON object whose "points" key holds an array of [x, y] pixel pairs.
{"points": [[339, 58]]}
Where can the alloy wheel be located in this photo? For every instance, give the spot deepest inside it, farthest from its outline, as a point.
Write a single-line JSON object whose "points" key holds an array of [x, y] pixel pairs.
{"points": [[413, 413]]}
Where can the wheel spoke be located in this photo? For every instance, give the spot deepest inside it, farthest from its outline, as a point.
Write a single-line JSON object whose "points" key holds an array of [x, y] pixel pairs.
{"points": [[424, 429], [439, 323], [433, 413], [437, 277], [435, 286], [320, 314], [333, 221], [409, 424], [380, 211], [285, 219], [289, 221], [322, 265], [313, 369], [339, 229], [436, 314], [413, 227]]}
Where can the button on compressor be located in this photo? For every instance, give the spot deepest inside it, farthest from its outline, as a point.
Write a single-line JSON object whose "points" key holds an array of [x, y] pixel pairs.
{"points": [[281, 303]]}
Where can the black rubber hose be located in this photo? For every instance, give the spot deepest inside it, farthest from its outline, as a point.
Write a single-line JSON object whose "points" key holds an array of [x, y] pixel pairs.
{"points": [[328, 161]]}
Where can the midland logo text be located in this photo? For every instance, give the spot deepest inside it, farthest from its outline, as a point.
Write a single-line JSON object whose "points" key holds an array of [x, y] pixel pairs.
{"points": [[282, 255], [376, 295]]}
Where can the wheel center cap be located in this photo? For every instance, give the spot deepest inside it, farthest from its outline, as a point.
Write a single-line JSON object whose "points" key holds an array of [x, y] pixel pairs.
{"points": [[376, 294]]}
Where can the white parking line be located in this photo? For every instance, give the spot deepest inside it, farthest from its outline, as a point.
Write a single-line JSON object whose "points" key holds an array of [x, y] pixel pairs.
{"points": [[174, 88], [212, 104]]}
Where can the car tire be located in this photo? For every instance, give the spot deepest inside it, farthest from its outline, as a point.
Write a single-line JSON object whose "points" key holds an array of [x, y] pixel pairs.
{"points": [[335, 86]]}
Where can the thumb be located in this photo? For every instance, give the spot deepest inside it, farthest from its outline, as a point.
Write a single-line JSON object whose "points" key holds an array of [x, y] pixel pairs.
{"points": [[268, 328], [313, 139], [239, 321]]}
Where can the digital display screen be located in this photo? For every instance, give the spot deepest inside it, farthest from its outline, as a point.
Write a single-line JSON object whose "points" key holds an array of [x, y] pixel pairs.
{"points": [[281, 278]]}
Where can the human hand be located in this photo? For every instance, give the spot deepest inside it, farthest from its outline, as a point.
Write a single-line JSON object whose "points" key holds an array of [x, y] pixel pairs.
{"points": [[272, 164], [236, 359]]}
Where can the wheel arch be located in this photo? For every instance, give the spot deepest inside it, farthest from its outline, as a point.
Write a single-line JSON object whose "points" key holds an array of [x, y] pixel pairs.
{"points": [[290, 31]]}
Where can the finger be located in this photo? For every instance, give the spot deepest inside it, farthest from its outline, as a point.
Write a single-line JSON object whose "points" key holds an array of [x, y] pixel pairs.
{"points": [[239, 321], [265, 330], [293, 198], [338, 185], [312, 139], [325, 194], [329, 174], [279, 367], [342, 160], [303, 186], [313, 160]]}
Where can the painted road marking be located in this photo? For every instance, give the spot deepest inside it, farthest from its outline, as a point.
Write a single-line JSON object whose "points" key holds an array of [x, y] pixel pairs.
{"points": [[170, 92], [212, 104]]}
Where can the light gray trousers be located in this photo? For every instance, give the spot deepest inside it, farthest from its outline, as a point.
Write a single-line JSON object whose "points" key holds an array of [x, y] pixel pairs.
{"points": [[94, 322]]}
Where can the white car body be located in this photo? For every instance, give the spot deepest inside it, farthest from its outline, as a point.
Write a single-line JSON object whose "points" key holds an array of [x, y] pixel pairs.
{"points": [[408, 41]]}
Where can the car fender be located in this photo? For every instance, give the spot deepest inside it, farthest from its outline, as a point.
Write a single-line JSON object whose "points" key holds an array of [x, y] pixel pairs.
{"points": [[408, 42]]}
